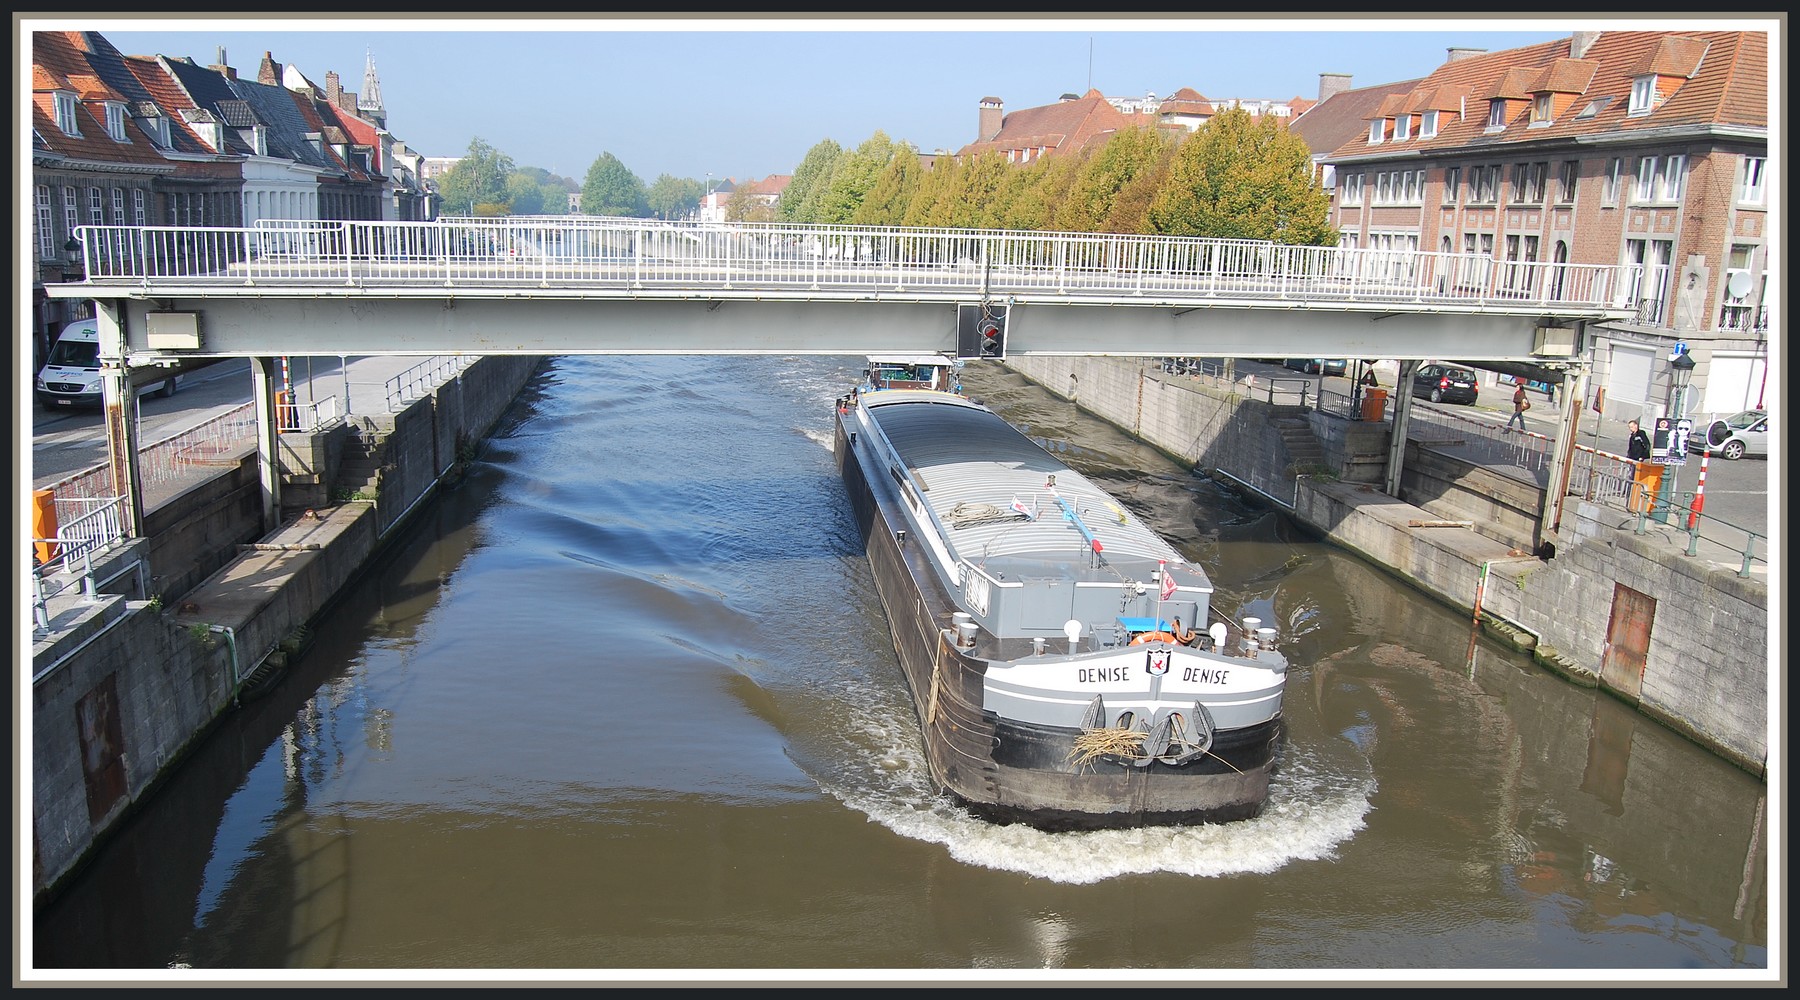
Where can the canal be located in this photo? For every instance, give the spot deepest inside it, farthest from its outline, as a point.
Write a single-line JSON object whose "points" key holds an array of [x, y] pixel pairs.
{"points": [[624, 699]]}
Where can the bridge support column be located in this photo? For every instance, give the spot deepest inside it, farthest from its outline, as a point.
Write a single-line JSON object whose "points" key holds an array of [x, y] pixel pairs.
{"points": [[268, 440], [1571, 396], [120, 400], [1403, 400]]}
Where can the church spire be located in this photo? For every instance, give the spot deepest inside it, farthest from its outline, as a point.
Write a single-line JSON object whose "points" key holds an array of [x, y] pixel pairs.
{"points": [[368, 102]]}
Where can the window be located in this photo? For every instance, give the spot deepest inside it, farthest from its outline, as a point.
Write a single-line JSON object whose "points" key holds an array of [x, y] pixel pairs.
{"points": [[1609, 193], [139, 213], [1484, 184], [45, 219], [115, 121], [1739, 309], [71, 209], [118, 206], [1428, 124], [96, 207], [1528, 183], [1540, 111], [1452, 181], [1751, 193], [65, 113], [1496, 114], [1402, 127], [1565, 181], [1643, 95], [1646, 180], [1353, 189], [1674, 177], [1377, 129], [1594, 107]]}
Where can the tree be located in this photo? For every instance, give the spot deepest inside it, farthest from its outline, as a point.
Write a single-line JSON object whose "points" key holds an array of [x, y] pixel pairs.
{"points": [[1033, 192], [1243, 177], [885, 204], [800, 202], [1104, 173], [526, 195], [611, 189], [673, 197], [476, 185], [853, 174]]}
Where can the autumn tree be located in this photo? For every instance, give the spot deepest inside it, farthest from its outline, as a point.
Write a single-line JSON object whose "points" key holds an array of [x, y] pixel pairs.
{"points": [[1104, 173], [1243, 177]]}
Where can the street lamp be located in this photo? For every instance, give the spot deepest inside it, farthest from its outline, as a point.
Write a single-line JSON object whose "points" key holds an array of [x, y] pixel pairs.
{"points": [[1681, 371], [72, 258]]}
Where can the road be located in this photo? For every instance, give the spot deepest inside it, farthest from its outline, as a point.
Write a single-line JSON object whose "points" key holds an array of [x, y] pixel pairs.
{"points": [[64, 441]]}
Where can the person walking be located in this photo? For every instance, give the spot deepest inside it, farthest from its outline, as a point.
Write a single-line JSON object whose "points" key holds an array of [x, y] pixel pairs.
{"points": [[1520, 405]]}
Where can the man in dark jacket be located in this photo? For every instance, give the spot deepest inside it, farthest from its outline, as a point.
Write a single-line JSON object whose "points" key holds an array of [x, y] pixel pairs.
{"points": [[1637, 443]]}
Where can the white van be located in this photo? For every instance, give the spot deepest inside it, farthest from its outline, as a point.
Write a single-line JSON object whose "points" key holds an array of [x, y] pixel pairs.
{"points": [[71, 376]]}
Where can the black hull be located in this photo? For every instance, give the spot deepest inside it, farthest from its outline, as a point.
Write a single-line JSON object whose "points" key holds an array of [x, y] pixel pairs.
{"points": [[1009, 773]]}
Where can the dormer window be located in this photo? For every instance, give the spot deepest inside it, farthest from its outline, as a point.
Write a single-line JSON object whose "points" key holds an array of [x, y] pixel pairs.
{"points": [[1540, 111], [1643, 95], [158, 128], [1402, 127], [65, 113], [259, 139], [1377, 130], [115, 121], [1496, 114], [1428, 124]]}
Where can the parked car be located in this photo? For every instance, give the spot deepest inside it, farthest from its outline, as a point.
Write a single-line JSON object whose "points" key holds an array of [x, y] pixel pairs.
{"points": [[1318, 366], [1446, 384], [1745, 433]]}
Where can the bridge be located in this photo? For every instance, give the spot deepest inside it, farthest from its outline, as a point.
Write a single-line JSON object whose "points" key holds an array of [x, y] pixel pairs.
{"points": [[585, 285]]}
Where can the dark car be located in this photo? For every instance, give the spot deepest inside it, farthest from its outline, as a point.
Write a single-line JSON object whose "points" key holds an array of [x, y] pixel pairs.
{"points": [[1445, 384], [1318, 366]]}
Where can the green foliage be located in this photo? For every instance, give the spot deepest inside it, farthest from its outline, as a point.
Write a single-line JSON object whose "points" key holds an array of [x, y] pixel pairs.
{"points": [[886, 201], [853, 175], [1105, 173], [673, 197], [610, 189], [1243, 177], [478, 179], [527, 196], [806, 190]]}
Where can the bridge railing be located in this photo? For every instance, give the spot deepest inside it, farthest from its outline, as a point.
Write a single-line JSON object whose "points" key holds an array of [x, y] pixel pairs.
{"points": [[635, 255]]}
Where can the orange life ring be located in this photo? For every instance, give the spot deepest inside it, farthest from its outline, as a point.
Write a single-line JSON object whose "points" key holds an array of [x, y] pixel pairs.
{"points": [[1152, 637]]}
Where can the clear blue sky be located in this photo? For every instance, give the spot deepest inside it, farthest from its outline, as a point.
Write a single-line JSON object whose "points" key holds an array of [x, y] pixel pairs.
{"points": [[748, 98]]}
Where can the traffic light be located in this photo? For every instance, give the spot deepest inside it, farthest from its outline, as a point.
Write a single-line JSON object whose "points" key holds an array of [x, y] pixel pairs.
{"points": [[981, 332]]}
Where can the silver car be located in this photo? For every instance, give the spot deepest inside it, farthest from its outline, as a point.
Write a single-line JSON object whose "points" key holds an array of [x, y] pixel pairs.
{"points": [[1745, 433]]}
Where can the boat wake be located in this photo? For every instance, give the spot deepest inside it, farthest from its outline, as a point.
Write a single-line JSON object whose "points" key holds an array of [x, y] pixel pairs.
{"points": [[1310, 812]]}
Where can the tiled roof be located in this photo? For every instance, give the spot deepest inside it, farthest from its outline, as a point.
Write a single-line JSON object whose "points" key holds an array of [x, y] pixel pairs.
{"points": [[1345, 115], [59, 62], [1063, 127], [1728, 87]]}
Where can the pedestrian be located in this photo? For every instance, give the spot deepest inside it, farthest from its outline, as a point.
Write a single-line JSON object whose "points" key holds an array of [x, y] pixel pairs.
{"points": [[1637, 443], [1520, 405], [1550, 393]]}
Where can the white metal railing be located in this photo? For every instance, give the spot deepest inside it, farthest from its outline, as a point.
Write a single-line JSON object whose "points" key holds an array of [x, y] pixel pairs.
{"points": [[645, 257], [84, 524], [423, 378], [310, 416]]}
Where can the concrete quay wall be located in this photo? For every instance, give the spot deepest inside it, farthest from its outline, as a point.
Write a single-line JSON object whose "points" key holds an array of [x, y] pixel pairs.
{"points": [[123, 687], [1705, 670]]}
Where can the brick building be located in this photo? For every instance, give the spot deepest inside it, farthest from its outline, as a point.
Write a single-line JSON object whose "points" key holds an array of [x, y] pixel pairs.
{"points": [[1642, 148]]}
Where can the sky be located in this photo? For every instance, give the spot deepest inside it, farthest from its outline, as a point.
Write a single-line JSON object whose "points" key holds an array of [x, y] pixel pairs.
{"points": [[747, 98]]}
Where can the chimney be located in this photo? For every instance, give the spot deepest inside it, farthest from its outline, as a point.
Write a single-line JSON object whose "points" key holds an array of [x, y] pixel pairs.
{"points": [[1454, 54], [1580, 42], [332, 89], [221, 67], [1332, 84], [270, 71], [992, 113]]}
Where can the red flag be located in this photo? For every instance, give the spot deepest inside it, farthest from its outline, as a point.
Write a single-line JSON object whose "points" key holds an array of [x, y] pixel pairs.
{"points": [[1168, 587]]}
